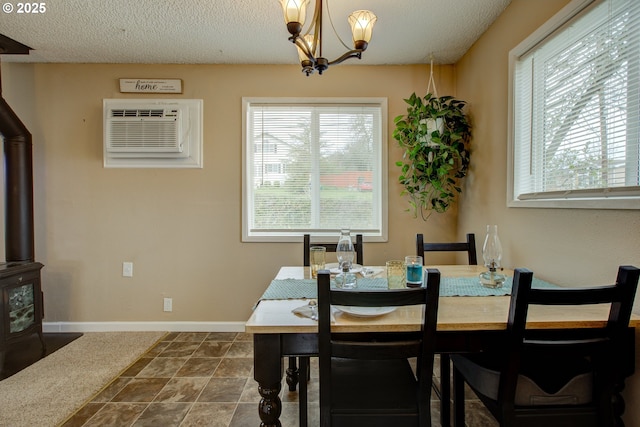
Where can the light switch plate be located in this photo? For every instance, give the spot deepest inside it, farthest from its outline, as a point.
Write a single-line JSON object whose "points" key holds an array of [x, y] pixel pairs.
{"points": [[127, 269]]}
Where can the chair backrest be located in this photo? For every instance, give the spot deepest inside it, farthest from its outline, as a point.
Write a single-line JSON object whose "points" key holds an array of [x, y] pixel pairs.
{"points": [[397, 345], [331, 247], [469, 246], [604, 347]]}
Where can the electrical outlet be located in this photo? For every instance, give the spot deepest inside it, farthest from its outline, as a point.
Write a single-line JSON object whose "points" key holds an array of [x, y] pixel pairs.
{"points": [[127, 269], [168, 304]]}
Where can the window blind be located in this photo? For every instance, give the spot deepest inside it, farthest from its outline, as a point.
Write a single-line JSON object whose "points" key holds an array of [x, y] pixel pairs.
{"points": [[576, 100]]}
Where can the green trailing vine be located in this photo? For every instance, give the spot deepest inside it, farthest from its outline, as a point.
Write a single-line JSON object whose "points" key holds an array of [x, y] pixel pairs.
{"points": [[434, 159]]}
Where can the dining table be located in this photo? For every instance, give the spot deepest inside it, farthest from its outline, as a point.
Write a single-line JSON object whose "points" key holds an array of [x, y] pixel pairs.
{"points": [[471, 318]]}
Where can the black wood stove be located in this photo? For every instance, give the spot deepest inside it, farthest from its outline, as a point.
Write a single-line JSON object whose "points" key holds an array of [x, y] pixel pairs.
{"points": [[21, 306]]}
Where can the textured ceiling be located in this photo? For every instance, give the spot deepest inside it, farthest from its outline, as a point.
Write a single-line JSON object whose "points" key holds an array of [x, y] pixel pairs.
{"points": [[238, 31]]}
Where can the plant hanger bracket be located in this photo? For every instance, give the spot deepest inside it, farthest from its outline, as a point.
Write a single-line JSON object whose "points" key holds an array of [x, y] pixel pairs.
{"points": [[432, 81]]}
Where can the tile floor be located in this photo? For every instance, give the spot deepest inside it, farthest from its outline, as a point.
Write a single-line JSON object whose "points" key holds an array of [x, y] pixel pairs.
{"points": [[203, 379]]}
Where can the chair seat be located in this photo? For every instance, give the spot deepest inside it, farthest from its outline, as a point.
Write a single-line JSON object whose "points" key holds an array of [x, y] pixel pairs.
{"points": [[565, 385]]}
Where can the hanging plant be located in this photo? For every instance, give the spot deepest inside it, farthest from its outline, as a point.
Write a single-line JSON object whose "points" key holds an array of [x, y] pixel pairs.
{"points": [[435, 135]]}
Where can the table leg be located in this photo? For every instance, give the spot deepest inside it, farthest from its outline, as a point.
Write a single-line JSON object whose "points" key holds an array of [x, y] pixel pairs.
{"points": [[268, 370], [617, 402], [270, 406], [292, 374]]}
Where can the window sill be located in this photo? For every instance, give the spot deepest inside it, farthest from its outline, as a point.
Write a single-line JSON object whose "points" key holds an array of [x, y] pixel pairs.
{"points": [[632, 203]]}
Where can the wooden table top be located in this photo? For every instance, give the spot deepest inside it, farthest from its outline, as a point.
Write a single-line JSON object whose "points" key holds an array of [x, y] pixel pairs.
{"points": [[454, 313]]}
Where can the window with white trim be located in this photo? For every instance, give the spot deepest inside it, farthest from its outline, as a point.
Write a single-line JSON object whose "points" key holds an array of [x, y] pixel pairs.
{"points": [[314, 166], [575, 109]]}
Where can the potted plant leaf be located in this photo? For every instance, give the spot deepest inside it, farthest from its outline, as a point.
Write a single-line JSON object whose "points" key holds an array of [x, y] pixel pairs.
{"points": [[435, 135]]}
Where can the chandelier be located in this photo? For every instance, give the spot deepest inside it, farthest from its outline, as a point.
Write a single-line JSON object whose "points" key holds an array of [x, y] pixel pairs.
{"points": [[309, 44]]}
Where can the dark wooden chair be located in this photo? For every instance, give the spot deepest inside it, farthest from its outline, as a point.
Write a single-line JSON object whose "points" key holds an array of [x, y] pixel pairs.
{"points": [[366, 379], [444, 391], [294, 374], [469, 246], [331, 247], [548, 377]]}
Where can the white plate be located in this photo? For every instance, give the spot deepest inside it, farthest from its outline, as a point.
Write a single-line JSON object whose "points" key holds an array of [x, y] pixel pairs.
{"points": [[335, 269], [365, 311]]}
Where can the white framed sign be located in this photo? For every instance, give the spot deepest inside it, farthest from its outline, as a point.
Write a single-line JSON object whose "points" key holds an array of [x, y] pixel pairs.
{"points": [[150, 85]]}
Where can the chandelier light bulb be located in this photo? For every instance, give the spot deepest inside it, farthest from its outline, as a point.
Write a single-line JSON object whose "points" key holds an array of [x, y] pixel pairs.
{"points": [[302, 53], [295, 14], [362, 22]]}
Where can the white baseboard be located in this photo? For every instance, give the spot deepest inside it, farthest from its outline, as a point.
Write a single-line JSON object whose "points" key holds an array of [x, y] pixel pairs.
{"points": [[143, 326]]}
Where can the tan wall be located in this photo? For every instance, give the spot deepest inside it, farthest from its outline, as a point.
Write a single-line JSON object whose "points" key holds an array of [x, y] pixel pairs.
{"points": [[572, 246], [180, 228]]}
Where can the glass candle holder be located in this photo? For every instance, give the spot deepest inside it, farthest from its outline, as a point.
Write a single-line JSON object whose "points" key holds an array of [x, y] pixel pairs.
{"points": [[492, 255], [414, 271]]}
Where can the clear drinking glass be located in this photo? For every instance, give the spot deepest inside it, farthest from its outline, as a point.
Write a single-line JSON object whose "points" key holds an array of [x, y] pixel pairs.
{"points": [[317, 259], [395, 274]]}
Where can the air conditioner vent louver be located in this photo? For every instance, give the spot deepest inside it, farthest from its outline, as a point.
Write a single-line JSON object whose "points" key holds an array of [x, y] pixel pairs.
{"points": [[145, 131], [144, 135], [139, 113]]}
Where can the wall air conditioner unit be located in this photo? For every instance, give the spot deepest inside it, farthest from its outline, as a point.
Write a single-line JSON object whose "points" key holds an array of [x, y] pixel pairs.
{"points": [[156, 133]]}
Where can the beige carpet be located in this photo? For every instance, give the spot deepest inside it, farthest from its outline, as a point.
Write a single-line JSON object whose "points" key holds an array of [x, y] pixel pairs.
{"points": [[47, 392]]}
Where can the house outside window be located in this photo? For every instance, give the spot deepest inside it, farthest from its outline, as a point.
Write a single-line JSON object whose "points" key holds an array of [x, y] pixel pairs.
{"points": [[314, 166], [575, 109]]}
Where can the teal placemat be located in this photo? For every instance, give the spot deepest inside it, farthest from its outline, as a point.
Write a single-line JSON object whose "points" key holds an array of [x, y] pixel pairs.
{"points": [[307, 288], [450, 286], [471, 287]]}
